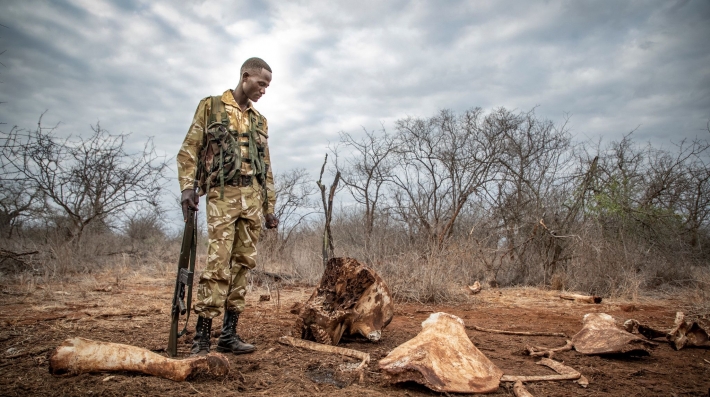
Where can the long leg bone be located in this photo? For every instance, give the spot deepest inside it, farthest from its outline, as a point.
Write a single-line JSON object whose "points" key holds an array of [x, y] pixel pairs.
{"points": [[79, 355], [364, 357], [522, 333], [565, 373]]}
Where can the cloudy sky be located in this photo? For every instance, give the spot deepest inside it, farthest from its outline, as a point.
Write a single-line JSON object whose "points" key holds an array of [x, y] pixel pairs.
{"points": [[142, 66]]}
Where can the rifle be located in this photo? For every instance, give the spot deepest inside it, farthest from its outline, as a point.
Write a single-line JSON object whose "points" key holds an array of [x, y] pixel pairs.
{"points": [[185, 273]]}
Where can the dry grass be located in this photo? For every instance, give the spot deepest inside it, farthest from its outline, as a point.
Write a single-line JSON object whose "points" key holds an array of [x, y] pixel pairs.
{"points": [[414, 271]]}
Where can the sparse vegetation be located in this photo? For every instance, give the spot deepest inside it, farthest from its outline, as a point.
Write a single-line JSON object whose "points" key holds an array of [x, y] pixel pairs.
{"points": [[503, 197]]}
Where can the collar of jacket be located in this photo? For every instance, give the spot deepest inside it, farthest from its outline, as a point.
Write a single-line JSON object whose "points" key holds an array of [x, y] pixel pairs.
{"points": [[228, 99]]}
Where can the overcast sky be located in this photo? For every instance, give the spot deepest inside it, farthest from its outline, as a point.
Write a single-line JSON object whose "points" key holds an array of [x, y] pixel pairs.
{"points": [[142, 66]]}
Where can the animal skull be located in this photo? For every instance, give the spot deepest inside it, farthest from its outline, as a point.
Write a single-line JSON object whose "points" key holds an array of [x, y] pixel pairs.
{"points": [[351, 299], [442, 358]]}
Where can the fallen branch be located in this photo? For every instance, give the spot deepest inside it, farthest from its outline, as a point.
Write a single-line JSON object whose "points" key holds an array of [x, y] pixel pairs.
{"points": [[537, 351], [520, 391], [306, 344], [123, 314], [582, 298], [564, 373], [521, 333], [16, 256]]}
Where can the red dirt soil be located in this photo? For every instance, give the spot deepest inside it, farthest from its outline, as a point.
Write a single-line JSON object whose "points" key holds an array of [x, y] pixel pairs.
{"points": [[34, 320]]}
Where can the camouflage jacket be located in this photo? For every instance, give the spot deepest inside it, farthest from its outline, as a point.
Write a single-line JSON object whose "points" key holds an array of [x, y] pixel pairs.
{"points": [[239, 121]]}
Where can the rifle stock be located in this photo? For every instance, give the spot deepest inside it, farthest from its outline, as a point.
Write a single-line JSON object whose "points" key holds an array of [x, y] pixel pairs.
{"points": [[182, 297]]}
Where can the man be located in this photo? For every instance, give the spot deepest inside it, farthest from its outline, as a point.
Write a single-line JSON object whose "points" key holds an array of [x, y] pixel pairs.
{"points": [[227, 144]]}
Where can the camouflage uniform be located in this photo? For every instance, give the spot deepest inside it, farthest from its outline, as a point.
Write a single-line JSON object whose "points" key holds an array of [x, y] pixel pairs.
{"points": [[234, 221]]}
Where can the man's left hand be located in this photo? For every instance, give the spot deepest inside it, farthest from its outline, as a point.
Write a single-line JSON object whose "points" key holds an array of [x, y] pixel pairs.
{"points": [[271, 221]]}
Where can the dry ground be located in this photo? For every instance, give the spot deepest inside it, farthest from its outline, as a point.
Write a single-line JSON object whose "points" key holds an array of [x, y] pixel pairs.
{"points": [[34, 320]]}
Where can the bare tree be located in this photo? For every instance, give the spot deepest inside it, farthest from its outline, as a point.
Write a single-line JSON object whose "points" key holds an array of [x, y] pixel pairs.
{"points": [[86, 179], [365, 169], [295, 204], [440, 163], [534, 161], [18, 200]]}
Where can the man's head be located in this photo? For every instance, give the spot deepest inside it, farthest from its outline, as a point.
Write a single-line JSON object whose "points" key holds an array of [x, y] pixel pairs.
{"points": [[255, 78]]}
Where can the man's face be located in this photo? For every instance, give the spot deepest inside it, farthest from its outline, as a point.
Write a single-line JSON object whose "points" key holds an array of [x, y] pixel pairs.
{"points": [[254, 83]]}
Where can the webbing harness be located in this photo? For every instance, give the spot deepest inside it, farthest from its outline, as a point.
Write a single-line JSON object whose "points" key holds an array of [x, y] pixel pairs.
{"points": [[229, 148]]}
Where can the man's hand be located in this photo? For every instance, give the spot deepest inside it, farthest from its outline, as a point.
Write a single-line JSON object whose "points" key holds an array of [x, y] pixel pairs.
{"points": [[189, 200], [271, 221]]}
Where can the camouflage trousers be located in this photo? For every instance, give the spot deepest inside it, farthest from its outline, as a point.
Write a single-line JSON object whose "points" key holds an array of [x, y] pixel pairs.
{"points": [[233, 228]]}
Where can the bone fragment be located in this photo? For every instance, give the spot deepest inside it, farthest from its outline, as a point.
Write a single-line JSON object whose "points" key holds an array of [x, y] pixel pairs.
{"points": [[683, 334], [520, 391], [442, 358], [564, 373], [351, 299], [632, 326], [364, 357], [600, 335], [537, 351], [581, 298], [475, 288], [523, 333], [686, 334], [79, 355]]}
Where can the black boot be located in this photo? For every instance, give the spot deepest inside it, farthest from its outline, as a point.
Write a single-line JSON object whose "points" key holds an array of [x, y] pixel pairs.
{"points": [[229, 341], [201, 341]]}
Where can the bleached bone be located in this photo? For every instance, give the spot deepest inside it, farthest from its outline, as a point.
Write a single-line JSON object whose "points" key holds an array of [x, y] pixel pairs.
{"points": [[581, 298], [683, 334], [522, 333], [79, 355], [537, 351], [475, 288], [632, 326], [564, 373], [600, 335], [442, 358], [686, 334], [520, 391], [351, 299], [306, 344]]}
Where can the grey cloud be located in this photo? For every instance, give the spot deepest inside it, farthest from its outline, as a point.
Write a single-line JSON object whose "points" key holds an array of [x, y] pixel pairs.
{"points": [[346, 65]]}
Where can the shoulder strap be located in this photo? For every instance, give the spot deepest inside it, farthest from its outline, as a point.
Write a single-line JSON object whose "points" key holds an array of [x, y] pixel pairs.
{"points": [[217, 111]]}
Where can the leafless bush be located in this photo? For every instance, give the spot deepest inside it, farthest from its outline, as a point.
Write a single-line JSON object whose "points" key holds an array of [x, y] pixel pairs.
{"points": [[511, 199], [83, 180], [64, 198]]}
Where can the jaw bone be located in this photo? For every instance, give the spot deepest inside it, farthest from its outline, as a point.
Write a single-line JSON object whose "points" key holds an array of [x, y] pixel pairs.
{"points": [[442, 358]]}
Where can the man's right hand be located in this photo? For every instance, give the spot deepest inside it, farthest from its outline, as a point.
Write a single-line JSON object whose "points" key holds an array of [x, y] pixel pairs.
{"points": [[189, 200]]}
